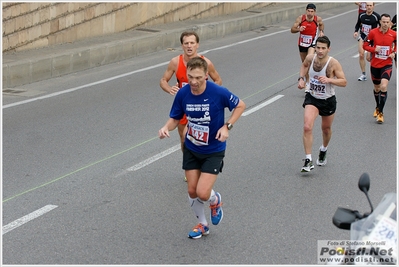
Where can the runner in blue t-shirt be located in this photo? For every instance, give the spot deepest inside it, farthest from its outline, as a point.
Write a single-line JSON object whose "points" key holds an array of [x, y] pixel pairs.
{"points": [[204, 103]]}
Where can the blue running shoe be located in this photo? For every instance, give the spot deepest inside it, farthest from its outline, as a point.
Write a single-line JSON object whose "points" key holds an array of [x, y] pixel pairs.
{"points": [[216, 211], [198, 231]]}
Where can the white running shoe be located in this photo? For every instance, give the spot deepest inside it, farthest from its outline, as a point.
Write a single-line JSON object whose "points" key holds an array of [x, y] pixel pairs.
{"points": [[362, 78], [308, 166], [322, 160]]}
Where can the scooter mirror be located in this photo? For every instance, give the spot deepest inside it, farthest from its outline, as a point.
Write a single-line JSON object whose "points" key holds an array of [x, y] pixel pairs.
{"points": [[343, 218], [364, 186], [364, 182]]}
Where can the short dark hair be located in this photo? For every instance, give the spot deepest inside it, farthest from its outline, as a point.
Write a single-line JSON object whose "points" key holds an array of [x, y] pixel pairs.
{"points": [[386, 15], [189, 33], [324, 39], [197, 63], [311, 6]]}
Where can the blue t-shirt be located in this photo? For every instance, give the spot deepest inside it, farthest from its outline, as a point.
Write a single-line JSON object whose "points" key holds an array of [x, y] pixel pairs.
{"points": [[205, 115]]}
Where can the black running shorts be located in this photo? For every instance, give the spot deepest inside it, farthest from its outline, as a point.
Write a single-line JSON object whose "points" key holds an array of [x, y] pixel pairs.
{"points": [[305, 49], [380, 73], [326, 107], [208, 163]]}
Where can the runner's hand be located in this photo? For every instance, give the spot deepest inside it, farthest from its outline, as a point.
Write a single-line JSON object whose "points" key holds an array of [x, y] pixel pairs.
{"points": [[301, 84], [324, 79], [163, 132], [222, 134], [174, 89]]}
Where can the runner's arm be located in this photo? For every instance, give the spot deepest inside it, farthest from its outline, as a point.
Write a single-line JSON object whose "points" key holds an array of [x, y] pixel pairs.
{"points": [[213, 73], [321, 25], [223, 132], [237, 111], [164, 83], [170, 125], [303, 70], [367, 43], [296, 27], [340, 79], [357, 25]]}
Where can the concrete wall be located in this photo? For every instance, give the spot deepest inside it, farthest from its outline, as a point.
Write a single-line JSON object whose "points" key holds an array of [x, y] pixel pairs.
{"points": [[34, 25]]}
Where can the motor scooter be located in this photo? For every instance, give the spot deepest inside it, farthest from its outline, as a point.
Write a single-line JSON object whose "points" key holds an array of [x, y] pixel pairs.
{"points": [[373, 235]]}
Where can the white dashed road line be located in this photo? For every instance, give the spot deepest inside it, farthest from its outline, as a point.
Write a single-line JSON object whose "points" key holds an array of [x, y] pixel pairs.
{"points": [[154, 158], [264, 104], [17, 223]]}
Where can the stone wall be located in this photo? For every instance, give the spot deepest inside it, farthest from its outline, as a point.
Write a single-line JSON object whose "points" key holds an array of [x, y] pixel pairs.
{"points": [[34, 25]]}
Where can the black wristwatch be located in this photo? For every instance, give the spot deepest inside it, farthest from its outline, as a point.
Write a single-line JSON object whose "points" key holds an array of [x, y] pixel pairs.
{"points": [[303, 78], [229, 125]]}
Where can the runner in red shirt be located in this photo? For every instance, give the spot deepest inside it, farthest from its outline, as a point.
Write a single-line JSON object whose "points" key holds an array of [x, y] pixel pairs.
{"points": [[309, 27], [381, 42], [362, 6]]}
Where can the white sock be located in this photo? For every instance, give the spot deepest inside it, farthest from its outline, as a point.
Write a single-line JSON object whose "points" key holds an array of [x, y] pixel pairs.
{"points": [[198, 207], [309, 156], [213, 198], [322, 148]]}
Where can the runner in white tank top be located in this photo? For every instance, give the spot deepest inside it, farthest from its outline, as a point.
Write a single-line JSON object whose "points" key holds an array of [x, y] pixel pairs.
{"points": [[317, 89], [325, 73]]}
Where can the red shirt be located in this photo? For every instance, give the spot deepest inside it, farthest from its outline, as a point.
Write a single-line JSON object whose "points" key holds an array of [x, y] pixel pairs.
{"points": [[307, 36], [181, 72], [387, 41]]}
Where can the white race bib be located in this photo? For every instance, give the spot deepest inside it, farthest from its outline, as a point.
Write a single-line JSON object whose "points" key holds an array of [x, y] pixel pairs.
{"points": [[317, 88], [198, 134], [384, 53], [366, 28], [305, 40]]}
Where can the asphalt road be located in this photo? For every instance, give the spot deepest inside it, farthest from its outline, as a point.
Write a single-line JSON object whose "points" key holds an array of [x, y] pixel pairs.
{"points": [[87, 181]]}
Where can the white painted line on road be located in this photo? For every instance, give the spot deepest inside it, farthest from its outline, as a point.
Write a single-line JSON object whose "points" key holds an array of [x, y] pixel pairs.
{"points": [[17, 223], [264, 104], [82, 86], [154, 158], [150, 67]]}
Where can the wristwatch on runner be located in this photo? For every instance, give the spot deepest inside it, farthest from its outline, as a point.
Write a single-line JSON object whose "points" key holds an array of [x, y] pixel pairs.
{"points": [[229, 125]]}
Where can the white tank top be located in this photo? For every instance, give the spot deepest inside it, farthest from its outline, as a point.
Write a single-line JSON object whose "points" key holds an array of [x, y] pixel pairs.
{"points": [[317, 89]]}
